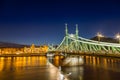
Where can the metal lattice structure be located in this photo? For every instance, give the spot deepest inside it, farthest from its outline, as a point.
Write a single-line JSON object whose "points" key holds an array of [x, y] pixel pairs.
{"points": [[74, 43]]}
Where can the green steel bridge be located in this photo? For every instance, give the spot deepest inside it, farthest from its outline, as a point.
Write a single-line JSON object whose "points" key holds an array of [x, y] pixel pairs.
{"points": [[73, 43]]}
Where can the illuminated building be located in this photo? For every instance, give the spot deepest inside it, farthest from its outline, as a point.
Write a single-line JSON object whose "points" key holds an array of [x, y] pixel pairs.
{"points": [[31, 49]]}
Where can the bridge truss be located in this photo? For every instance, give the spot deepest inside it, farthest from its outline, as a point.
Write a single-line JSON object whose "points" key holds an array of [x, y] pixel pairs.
{"points": [[74, 43]]}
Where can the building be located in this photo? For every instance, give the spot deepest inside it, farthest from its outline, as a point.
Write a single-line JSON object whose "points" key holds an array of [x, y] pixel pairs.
{"points": [[31, 49]]}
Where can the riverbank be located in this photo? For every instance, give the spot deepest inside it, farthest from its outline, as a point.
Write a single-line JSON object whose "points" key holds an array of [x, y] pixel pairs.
{"points": [[68, 54], [23, 55], [96, 54]]}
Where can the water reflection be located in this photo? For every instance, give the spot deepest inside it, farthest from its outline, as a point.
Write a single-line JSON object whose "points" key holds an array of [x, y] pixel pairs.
{"points": [[103, 62], [57, 60], [27, 68], [8, 63], [42, 68], [92, 67], [73, 61]]}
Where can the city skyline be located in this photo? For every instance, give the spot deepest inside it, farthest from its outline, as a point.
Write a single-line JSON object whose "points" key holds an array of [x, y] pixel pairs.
{"points": [[43, 22]]}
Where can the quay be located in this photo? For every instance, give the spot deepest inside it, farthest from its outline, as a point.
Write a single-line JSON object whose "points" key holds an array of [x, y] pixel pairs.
{"points": [[23, 55]]}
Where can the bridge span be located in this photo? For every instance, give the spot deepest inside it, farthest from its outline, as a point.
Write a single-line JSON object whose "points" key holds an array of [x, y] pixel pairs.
{"points": [[75, 44]]}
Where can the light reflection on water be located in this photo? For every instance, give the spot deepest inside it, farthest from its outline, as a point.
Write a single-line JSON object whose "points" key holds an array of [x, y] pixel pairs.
{"points": [[7, 63], [73, 61], [103, 62], [40, 68], [91, 67]]}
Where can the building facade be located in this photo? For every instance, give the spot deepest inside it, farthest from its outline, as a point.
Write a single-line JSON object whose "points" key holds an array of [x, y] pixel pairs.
{"points": [[31, 49]]}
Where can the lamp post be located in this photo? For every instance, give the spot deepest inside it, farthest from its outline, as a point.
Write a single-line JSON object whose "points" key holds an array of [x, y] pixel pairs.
{"points": [[118, 37], [99, 35]]}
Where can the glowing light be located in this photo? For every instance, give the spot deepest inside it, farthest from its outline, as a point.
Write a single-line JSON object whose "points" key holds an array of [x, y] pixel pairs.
{"points": [[80, 59], [17, 53], [72, 35], [118, 36], [71, 51], [99, 34]]}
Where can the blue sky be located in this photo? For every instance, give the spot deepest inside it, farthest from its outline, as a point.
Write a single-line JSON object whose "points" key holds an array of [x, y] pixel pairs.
{"points": [[42, 21]]}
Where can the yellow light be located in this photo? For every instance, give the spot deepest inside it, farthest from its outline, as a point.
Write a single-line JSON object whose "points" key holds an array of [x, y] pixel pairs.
{"points": [[17, 53], [118, 35], [99, 34]]}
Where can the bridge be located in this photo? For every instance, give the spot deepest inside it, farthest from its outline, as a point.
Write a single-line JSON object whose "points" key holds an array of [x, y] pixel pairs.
{"points": [[73, 43]]}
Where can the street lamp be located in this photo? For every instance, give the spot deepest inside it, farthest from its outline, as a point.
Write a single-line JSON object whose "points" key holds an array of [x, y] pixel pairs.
{"points": [[99, 35], [118, 37]]}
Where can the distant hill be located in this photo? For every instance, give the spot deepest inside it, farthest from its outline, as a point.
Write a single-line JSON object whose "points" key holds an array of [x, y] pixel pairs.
{"points": [[105, 39], [11, 45]]}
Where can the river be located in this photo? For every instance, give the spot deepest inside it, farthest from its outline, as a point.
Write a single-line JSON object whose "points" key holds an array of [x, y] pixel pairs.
{"points": [[50, 68]]}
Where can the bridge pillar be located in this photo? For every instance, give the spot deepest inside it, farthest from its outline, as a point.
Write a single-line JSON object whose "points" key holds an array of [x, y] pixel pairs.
{"points": [[66, 30], [66, 37], [77, 31], [76, 35]]}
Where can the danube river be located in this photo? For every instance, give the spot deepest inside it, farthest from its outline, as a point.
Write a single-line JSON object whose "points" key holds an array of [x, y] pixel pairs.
{"points": [[59, 68]]}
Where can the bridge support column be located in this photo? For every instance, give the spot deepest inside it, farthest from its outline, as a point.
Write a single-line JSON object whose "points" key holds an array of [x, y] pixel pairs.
{"points": [[66, 37]]}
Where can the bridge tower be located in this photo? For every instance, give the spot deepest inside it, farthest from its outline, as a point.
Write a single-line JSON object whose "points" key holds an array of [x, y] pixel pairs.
{"points": [[66, 36], [74, 44], [66, 30], [77, 35]]}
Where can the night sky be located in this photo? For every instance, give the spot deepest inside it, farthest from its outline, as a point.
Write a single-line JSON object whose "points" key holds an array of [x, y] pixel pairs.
{"points": [[42, 21]]}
